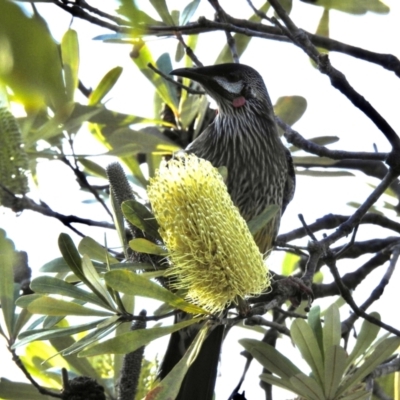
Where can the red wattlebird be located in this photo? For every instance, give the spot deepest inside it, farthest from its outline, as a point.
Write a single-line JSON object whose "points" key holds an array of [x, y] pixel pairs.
{"points": [[243, 138]]}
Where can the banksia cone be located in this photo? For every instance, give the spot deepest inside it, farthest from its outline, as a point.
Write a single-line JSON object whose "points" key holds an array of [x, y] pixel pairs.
{"points": [[212, 253], [13, 159]]}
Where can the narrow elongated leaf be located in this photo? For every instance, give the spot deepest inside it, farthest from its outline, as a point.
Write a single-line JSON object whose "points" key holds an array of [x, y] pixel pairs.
{"points": [[273, 380], [50, 285], [257, 223], [108, 326], [270, 358], [306, 342], [290, 109], [94, 279], [17, 390], [384, 350], [140, 216], [106, 84], [290, 263], [23, 317], [50, 306], [367, 335], [95, 251], [169, 387], [7, 255], [162, 10], [45, 334], [70, 58], [332, 328], [145, 246], [312, 160], [131, 283], [131, 341], [335, 365], [314, 320], [359, 395], [307, 387], [71, 255], [188, 12]]}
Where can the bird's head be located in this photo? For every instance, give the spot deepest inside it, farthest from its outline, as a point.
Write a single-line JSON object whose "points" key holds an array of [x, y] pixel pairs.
{"points": [[232, 86]]}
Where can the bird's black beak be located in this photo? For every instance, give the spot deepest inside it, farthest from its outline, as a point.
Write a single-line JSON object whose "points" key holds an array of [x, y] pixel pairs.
{"points": [[196, 74]]}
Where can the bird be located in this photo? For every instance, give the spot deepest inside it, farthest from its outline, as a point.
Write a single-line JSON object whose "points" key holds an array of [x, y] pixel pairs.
{"points": [[243, 138]]}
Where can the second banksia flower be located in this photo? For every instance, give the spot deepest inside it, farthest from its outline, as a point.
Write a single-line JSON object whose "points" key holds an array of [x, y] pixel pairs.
{"points": [[212, 252]]}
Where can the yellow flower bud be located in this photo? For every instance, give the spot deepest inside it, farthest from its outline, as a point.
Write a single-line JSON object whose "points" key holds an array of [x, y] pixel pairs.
{"points": [[211, 250]]}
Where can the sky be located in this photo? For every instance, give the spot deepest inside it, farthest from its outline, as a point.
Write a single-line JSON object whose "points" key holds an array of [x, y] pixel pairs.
{"points": [[286, 71]]}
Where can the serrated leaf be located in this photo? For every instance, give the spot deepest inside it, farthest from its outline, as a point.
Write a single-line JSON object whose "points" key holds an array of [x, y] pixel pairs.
{"points": [[307, 387], [131, 341], [335, 365], [70, 59], [95, 251], [106, 84], [270, 358], [141, 217], [261, 220], [55, 307], [332, 328], [314, 320], [131, 283], [366, 336], [145, 246], [169, 387], [50, 285], [7, 253], [304, 338], [384, 350]]}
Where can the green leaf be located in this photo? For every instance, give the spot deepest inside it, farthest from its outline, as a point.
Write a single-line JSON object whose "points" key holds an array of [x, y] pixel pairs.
{"points": [[127, 142], [162, 10], [313, 160], [320, 140], [356, 7], [17, 390], [131, 341], [314, 320], [261, 220], [71, 255], [142, 58], [95, 284], [290, 263], [188, 12], [45, 334], [273, 380], [7, 252], [332, 328], [169, 387], [106, 84], [335, 365], [23, 317], [141, 217], [367, 335], [49, 306], [304, 338], [241, 41], [290, 109], [92, 167], [95, 251], [307, 387], [145, 246], [384, 350], [70, 58], [50, 285], [30, 64], [131, 283], [271, 359]]}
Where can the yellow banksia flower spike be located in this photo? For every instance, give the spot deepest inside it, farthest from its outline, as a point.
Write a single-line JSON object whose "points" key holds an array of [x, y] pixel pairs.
{"points": [[211, 250]]}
